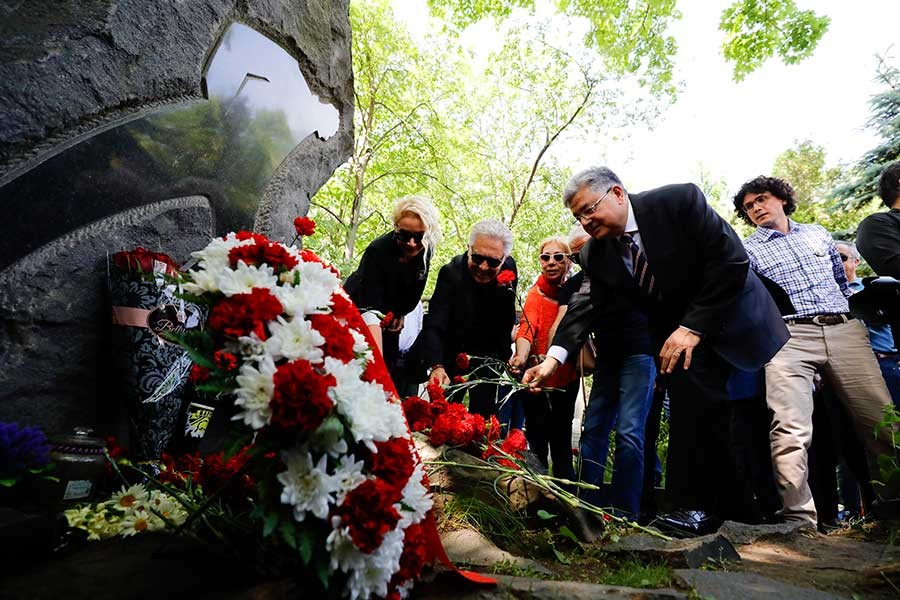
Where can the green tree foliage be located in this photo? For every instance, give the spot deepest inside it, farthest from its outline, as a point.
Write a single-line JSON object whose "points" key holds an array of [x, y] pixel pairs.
{"points": [[863, 185], [757, 30], [631, 36]]}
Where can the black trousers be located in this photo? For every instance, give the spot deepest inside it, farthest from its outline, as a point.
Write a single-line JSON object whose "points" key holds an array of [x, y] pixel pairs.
{"points": [[548, 425], [700, 468]]}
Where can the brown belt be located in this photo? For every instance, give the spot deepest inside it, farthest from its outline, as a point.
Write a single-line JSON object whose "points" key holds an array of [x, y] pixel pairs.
{"points": [[833, 319]]}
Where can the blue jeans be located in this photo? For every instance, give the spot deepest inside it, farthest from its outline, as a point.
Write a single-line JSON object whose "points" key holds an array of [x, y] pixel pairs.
{"points": [[624, 390], [511, 413], [891, 373]]}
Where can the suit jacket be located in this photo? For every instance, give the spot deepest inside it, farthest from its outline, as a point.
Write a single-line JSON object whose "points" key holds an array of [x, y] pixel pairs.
{"points": [[702, 273]]}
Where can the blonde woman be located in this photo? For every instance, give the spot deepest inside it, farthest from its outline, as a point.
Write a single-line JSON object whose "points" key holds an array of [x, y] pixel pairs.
{"points": [[391, 275]]}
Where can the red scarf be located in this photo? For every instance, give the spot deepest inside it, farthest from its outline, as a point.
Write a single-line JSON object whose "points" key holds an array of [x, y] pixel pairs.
{"points": [[551, 290]]}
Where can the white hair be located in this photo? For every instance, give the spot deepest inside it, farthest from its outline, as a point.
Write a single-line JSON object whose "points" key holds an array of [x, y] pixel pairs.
{"points": [[598, 179], [492, 228], [421, 207], [577, 233]]}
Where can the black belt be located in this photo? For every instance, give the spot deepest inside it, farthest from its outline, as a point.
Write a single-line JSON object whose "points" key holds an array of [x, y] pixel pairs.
{"points": [[886, 354], [832, 319]]}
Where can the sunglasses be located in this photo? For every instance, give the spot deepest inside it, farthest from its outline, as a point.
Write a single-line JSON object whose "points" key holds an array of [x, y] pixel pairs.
{"points": [[844, 257], [557, 256], [403, 236], [493, 263]]}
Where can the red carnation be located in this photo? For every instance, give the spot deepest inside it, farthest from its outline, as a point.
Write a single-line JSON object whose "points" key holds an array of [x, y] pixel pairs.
{"points": [[338, 341], [225, 360], [393, 464], [310, 256], [387, 320], [414, 557], [457, 426], [493, 432], [505, 277], [243, 314], [304, 226], [435, 391], [274, 255], [418, 413], [341, 307], [198, 374], [241, 236], [514, 445], [462, 361], [376, 372], [369, 514], [458, 379], [301, 397]]}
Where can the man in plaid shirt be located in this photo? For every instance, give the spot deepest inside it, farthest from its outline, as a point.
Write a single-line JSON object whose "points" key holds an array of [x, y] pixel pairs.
{"points": [[803, 259]]}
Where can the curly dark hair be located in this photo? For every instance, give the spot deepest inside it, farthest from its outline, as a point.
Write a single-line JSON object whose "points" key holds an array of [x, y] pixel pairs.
{"points": [[779, 188], [889, 184]]}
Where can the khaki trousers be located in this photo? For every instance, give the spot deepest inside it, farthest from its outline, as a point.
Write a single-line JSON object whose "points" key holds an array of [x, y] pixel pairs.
{"points": [[843, 356]]}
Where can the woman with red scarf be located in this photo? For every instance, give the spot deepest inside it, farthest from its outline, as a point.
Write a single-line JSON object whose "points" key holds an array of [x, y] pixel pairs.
{"points": [[549, 413]]}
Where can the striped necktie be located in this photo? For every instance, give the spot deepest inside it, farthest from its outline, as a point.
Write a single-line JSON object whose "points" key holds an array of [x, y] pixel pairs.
{"points": [[640, 269]]}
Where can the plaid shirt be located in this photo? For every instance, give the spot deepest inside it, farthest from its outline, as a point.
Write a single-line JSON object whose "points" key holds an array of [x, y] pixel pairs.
{"points": [[805, 262]]}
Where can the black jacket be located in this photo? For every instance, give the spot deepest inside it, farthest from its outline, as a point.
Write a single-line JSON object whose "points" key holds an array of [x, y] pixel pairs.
{"points": [[464, 316], [383, 283], [702, 273]]}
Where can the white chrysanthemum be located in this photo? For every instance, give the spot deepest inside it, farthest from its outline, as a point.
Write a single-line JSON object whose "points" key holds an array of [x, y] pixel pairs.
{"points": [[307, 488], [294, 339], [367, 573], [203, 280], [361, 347], [371, 416], [313, 294], [404, 589], [254, 391], [347, 476], [242, 279], [129, 499], [415, 497]]}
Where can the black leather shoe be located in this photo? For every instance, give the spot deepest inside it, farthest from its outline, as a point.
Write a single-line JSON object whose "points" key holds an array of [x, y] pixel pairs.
{"points": [[687, 523]]}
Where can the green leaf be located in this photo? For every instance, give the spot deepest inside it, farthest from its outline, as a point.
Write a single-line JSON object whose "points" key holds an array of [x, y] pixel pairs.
{"points": [[288, 534], [561, 557], [307, 539], [567, 533], [543, 514], [9, 482], [270, 523], [235, 443], [322, 572]]}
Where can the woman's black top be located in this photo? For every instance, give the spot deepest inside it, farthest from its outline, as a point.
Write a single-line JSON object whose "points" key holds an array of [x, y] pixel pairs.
{"points": [[465, 316], [383, 283]]}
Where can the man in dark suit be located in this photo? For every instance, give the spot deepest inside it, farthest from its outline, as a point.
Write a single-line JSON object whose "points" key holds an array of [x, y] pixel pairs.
{"points": [[668, 252]]}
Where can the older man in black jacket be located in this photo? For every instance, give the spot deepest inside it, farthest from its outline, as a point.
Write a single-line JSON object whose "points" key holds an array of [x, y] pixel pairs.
{"points": [[472, 311], [668, 252]]}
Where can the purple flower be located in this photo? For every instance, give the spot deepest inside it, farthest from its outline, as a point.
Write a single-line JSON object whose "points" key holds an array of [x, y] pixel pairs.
{"points": [[22, 448]]}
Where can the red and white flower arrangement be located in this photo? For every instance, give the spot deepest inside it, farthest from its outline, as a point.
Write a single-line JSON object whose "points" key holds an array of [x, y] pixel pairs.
{"points": [[337, 477]]}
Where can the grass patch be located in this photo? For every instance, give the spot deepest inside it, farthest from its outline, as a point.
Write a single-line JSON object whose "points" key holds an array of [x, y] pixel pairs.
{"points": [[633, 573], [494, 519]]}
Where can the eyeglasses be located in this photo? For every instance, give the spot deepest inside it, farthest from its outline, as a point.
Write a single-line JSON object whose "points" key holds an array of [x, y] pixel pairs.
{"points": [[586, 213], [758, 201], [493, 263], [557, 256], [403, 236], [844, 257]]}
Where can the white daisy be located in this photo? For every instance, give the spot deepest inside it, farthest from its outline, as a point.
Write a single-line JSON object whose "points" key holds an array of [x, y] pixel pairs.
{"points": [[361, 347], [313, 294], [294, 339], [254, 391], [307, 488]]}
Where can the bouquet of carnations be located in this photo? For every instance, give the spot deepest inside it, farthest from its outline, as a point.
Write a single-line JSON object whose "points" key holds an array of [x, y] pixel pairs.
{"points": [[152, 372], [336, 480]]}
